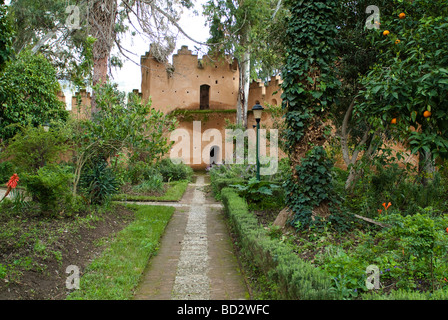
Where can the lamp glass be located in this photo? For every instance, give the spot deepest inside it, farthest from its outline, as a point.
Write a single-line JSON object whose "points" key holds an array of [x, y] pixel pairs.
{"points": [[257, 110], [257, 113]]}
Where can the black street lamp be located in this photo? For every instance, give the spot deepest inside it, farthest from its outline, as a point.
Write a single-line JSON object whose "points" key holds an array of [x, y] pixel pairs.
{"points": [[258, 110], [46, 126]]}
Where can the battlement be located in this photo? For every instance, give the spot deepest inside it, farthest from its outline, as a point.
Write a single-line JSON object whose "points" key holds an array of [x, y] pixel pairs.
{"points": [[261, 93], [190, 83]]}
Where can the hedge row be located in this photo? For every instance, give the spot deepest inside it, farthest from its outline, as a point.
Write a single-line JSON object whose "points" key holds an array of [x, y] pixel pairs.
{"points": [[221, 183], [295, 278]]}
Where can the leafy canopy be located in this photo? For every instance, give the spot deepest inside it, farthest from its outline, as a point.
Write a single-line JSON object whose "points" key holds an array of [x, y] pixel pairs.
{"points": [[411, 77], [29, 94]]}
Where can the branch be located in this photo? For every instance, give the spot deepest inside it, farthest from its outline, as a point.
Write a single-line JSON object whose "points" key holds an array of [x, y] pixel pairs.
{"points": [[173, 21], [344, 144], [384, 225], [279, 4]]}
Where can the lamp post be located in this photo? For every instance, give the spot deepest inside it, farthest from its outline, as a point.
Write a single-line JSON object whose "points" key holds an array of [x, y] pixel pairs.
{"points": [[46, 126], [258, 110]]}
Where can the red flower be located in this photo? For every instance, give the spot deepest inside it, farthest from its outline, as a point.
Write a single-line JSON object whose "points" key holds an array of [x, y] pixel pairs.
{"points": [[12, 183], [388, 205], [379, 212]]}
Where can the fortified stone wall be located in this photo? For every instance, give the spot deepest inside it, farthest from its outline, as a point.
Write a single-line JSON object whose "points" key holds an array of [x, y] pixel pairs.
{"points": [[189, 83]]}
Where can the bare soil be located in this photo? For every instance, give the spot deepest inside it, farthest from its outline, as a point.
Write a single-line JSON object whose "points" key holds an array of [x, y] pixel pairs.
{"points": [[40, 252]]}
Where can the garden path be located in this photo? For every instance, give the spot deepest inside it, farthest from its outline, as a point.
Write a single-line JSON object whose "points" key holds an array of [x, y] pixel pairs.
{"points": [[196, 259]]}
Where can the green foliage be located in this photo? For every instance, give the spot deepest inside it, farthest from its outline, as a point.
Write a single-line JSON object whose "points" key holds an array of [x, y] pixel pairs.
{"points": [[154, 183], [33, 148], [99, 182], [6, 36], [294, 278], [248, 26], [173, 171], [315, 174], [133, 129], [140, 171], [416, 234], [411, 254], [28, 94], [7, 169], [134, 125], [69, 50], [391, 183], [50, 187], [309, 86], [410, 77], [115, 274], [255, 191]]}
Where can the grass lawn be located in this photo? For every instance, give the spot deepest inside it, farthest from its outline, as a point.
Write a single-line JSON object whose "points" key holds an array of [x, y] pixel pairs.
{"points": [[174, 192], [116, 272]]}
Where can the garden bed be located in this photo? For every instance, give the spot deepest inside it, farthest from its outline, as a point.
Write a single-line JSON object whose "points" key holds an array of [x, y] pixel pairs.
{"points": [[173, 191], [35, 252]]}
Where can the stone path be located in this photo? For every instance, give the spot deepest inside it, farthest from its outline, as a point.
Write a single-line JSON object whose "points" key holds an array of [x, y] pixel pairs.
{"points": [[196, 259]]}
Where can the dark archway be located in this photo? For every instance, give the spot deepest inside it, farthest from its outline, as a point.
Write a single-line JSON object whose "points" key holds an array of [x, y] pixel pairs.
{"points": [[214, 155], [204, 103]]}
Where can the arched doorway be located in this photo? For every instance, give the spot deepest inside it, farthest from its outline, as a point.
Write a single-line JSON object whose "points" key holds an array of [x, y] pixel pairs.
{"points": [[204, 102], [214, 155]]}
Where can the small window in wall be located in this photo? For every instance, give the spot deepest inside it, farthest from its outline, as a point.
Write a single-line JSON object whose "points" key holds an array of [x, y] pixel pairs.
{"points": [[204, 102]]}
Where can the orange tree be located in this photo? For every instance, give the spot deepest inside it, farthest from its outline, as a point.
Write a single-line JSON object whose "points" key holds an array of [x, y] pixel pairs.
{"points": [[406, 91]]}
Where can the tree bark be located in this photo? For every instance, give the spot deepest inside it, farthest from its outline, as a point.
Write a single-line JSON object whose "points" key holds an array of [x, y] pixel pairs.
{"points": [[244, 79], [102, 20]]}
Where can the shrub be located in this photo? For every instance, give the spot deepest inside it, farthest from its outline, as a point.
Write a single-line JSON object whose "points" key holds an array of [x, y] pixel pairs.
{"points": [[33, 148], [260, 193], [99, 182], [29, 94], [174, 172], [153, 183], [49, 186], [140, 171], [296, 278], [6, 171]]}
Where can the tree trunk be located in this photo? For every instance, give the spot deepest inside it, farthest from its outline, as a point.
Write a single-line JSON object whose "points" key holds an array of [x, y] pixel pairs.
{"points": [[99, 77], [102, 20], [246, 82], [425, 166], [244, 79]]}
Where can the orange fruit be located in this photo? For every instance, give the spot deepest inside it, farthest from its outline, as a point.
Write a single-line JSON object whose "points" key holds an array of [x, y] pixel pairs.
{"points": [[402, 15], [386, 32], [393, 121], [427, 114]]}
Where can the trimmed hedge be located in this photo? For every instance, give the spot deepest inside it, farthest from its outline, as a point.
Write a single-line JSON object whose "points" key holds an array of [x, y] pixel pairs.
{"points": [[221, 183], [295, 278], [400, 294]]}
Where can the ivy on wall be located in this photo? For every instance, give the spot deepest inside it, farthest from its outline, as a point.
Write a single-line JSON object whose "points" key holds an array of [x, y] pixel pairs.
{"points": [[309, 85]]}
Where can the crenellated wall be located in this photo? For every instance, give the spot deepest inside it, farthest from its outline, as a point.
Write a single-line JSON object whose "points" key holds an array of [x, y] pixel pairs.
{"points": [[265, 94], [178, 86]]}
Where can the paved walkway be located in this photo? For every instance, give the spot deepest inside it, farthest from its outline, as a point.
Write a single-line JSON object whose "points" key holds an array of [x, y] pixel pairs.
{"points": [[196, 259]]}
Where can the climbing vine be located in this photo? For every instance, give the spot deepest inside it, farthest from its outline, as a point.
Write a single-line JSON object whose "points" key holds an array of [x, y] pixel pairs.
{"points": [[309, 85]]}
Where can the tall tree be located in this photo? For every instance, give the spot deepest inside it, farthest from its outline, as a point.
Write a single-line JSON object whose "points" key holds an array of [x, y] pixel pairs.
{"points": [[309, 86], [6, 35], [239, 28], [84, 33], [357, 54], [50, 28]]}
